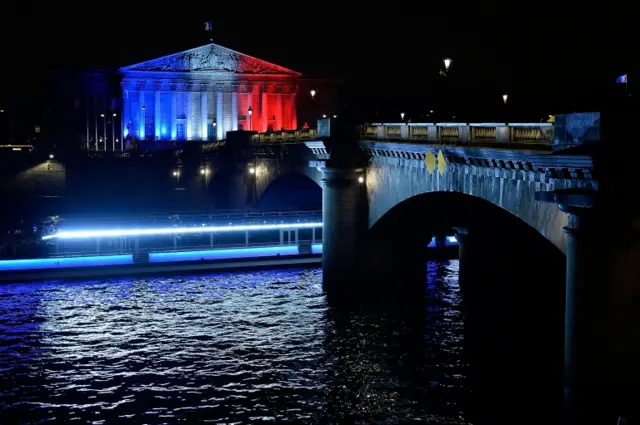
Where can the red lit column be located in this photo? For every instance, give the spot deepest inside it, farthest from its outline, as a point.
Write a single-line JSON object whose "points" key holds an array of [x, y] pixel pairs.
{"points": [[264, 109], [294, 114], [279, 123]]}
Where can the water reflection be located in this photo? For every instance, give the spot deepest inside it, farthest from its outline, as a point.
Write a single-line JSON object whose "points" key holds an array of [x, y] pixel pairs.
{"points": [[231, 348]]}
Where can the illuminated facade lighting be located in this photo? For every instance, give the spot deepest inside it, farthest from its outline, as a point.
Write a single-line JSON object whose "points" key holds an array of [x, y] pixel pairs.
{"points": [[115, 233]]}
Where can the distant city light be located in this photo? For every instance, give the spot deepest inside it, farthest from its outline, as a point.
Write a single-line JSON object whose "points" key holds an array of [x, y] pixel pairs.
{"points": [[252, 170], [324, 115], [51, 156], [88, 234], [313, 94], [447, 63], [505, 97], [176, 173], [360, 179]]}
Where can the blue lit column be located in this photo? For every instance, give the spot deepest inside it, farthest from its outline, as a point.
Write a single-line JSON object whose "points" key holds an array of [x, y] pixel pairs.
{"points": [[124, 122], [174, 121], [204, 115], [142, 120], [234, 109], [157, 114], [219, 116]]}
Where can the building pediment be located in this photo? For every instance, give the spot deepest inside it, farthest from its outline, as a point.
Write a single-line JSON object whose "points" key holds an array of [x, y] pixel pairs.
{"points": [[211, 57]]}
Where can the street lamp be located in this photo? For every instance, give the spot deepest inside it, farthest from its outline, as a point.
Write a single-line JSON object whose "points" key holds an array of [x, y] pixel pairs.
{"points": [[104, 130], [447, 63], [360, 179], [402, 116], [215, 133], [504, 98], [252, 170], [250, 112], [313, 94]]}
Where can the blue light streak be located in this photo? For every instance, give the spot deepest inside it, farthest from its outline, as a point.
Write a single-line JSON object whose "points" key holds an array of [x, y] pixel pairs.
{"points": [[223, 254], [87, 234], [65, 262]]}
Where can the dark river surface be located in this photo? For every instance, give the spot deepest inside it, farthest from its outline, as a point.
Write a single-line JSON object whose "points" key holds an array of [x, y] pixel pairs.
{"points": [[254, 347]]}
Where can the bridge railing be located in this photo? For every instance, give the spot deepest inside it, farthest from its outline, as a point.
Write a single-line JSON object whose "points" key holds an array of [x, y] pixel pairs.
{"points": [[284, 136], [511, 135]]}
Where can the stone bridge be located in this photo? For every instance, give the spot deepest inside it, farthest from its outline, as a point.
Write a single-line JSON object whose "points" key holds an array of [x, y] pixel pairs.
{"points": [[548, 178]]}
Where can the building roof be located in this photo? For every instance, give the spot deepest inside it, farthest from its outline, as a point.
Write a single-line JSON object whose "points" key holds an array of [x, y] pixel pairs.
{"points": [[211, 57]]}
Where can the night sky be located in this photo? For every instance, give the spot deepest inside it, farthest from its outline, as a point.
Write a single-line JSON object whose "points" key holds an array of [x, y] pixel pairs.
{"points": [[548, 59]]}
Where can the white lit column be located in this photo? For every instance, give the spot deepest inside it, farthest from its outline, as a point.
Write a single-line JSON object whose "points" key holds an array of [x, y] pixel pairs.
{"points": [[234, 109], [204, 114], [156, 115], [219, 116]]}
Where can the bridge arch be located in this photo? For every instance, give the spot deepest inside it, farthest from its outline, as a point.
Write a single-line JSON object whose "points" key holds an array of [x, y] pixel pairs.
{"points": [[391, 181], [293, 191], [286, 180]]}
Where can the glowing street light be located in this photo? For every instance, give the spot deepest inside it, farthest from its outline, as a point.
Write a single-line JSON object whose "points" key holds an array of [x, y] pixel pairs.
{"points": [[447, 63], [250, 112], [402, 116], [252, 170], [113, 132], [504, 98], [51, 156], [313, 94], [360, 179]]}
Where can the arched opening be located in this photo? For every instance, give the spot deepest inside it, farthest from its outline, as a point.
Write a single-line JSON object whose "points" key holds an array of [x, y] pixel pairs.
{"points": [[512, 295], [291, 191]]}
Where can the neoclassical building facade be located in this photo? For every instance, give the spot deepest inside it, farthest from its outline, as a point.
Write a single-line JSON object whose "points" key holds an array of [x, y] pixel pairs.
{"points": [[202, 93]]}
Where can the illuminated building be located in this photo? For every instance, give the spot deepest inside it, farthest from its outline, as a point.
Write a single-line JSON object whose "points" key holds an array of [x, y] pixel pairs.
{"points": [[181, 96]]}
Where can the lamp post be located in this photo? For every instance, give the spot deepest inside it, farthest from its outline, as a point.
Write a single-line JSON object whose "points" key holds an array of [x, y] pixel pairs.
{"points": [[113, 131], [313, 104], [447, 64], [250, 112], [402, 116], [504, 98], [215, 133], [104, 130]]}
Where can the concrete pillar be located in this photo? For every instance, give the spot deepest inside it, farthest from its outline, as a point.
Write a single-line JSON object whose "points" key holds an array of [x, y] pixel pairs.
{"points": [[344, 225]]}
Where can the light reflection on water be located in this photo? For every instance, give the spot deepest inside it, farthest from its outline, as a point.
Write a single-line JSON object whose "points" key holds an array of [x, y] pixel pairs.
{"points": [[228, 348]]}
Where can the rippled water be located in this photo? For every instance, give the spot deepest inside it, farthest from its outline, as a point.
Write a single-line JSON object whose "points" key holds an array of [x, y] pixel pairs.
{"points": [[228, 348]]}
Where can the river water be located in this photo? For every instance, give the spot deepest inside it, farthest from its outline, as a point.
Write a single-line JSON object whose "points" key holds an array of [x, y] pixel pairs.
{"points": [[243, 347]]}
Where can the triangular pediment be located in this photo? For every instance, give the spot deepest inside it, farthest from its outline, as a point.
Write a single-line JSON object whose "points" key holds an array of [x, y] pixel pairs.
{"points": [[210, 57]]}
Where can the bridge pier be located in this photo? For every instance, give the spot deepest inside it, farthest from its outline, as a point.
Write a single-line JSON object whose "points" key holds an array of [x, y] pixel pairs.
{"points": [[601, 321], [344, 226]]}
